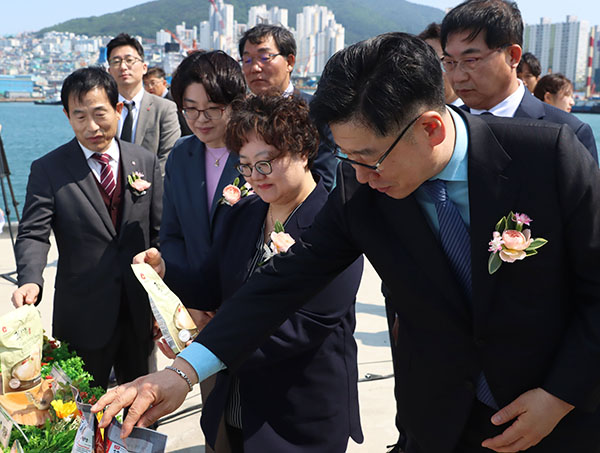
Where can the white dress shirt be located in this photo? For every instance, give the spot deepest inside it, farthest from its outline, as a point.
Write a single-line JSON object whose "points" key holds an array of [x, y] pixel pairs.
{"points": [[95, 166], [508, 106]]}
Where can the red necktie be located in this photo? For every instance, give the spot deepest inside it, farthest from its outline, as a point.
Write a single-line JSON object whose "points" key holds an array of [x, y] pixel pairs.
{"points": [[107, 177]]}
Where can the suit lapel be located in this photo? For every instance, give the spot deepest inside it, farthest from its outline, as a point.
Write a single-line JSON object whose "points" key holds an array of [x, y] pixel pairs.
{"points": [[76, 164], [406, 220], [142, 122], [227, 177], [492, 193]]}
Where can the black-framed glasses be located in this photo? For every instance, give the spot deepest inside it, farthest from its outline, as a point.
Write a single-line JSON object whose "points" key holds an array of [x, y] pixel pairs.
{"points": [[211, 113], [129, 60], [342, 156], [262, 58], [469, 64], [264, 167]]}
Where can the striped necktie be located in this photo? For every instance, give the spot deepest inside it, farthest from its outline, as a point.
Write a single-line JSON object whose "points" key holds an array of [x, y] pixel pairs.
{"points": [[107, 177], [456, 243]]}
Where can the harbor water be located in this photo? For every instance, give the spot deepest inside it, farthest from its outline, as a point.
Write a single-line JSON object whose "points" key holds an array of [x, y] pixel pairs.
{"points": [[29, 131]]}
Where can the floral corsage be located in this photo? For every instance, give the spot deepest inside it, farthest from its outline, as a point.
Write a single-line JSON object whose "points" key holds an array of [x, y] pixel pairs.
{"points": [[280, 243], [137, 183], [510, 242], [232, 193]]}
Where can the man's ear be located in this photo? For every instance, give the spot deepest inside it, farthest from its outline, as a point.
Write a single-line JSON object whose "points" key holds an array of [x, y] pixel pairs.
{"points": [[291, 61], [119, 108], [514, 52], [66, 113], [433, 124]]}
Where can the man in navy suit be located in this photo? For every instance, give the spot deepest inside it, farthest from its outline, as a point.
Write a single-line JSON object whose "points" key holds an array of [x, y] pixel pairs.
{"points": [[506, 361], [268, 54], [482, 41]]}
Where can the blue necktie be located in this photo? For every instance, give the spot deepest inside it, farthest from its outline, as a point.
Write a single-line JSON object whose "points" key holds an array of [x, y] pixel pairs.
{"points": [[456, 244]]}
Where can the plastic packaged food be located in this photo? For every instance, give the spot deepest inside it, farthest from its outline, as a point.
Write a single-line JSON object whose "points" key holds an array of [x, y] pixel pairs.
{"points": [[176, 324], [21, 338]]}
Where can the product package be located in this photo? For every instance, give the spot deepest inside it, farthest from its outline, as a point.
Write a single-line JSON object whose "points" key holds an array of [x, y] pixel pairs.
{"points": [[88, 438], [21, 338], [141, 440], [176, 324]]}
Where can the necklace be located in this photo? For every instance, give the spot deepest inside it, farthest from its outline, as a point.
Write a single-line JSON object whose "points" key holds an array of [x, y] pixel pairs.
{"points": [[217, 159]]}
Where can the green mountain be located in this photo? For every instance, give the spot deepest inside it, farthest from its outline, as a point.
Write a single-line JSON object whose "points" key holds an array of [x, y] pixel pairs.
{"points": [[361, 19]]}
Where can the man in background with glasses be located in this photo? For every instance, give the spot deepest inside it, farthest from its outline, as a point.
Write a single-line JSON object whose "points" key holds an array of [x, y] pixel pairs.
{"points": [[482, 42], [147, 120], [155, 82], [268, 56]]}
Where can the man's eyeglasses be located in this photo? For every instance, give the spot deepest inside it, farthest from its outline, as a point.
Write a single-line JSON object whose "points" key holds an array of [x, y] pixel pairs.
{"points": [[342, 156], [261, 59], [469, 64], [129, 60], [262, 166], [211, 113]]}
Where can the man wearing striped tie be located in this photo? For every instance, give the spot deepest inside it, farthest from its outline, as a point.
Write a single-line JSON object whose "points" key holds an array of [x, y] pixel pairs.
{"points": [[101, 197]]}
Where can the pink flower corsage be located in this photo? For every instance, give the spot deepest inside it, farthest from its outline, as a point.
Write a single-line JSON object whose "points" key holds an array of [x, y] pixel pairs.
{"points": [[232, 193], [137, 183], [510, 242], [280, 243]]}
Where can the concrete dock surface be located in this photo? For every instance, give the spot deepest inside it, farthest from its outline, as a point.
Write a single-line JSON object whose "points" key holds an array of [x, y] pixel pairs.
{"points": [[377, 405]]}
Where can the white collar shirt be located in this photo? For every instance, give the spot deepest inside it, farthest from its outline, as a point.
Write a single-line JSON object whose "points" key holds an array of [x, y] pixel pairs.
{"points": [[135, 111], [508, 106], [95, 166]]}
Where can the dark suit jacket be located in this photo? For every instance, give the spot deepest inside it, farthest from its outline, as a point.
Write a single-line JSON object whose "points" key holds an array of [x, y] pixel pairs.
{"points": [[93, 260], [157, 127], [532, 107], [185, 129], [534, 323], [186, 232], [299, 388], [325, 164]]}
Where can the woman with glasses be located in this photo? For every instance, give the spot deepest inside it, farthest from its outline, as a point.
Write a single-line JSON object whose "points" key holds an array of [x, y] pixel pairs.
{"points": [[199, 167], [298, 391]]}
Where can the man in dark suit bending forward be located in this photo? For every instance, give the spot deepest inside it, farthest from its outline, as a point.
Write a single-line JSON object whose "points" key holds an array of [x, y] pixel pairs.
{"points": [[500, 361]]}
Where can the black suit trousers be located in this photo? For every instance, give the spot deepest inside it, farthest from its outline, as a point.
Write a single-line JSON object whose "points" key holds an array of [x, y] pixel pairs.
{"points": [[126, 352]]}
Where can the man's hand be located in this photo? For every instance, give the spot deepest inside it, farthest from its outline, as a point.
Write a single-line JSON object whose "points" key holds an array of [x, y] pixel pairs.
{"points": [[153, 258], [149, 397], [537, 412], [26, 294], [200, 317]]}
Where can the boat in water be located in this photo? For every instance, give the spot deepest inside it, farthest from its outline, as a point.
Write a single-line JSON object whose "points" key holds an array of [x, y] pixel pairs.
{"points": [[589, 106], [51, 101]]}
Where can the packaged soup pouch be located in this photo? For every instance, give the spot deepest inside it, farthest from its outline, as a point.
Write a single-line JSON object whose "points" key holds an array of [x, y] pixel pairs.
{"points": [[176, 324], [141, 440], [21, 338], [88, 438]]}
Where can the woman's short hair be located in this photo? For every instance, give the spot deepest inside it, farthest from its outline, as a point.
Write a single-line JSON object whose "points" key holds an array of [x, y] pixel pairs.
{"points": [[551, 83], [219, 74], [282, 122]]}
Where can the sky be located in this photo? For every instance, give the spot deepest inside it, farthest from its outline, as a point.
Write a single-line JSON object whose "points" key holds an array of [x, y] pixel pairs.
{"points": [[31, 15]]}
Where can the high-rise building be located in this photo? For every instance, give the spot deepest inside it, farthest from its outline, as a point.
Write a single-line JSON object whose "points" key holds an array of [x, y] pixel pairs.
{"points": [[219, 32], [263, 15], [162, 37], [318, 37], [561, 47]]}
